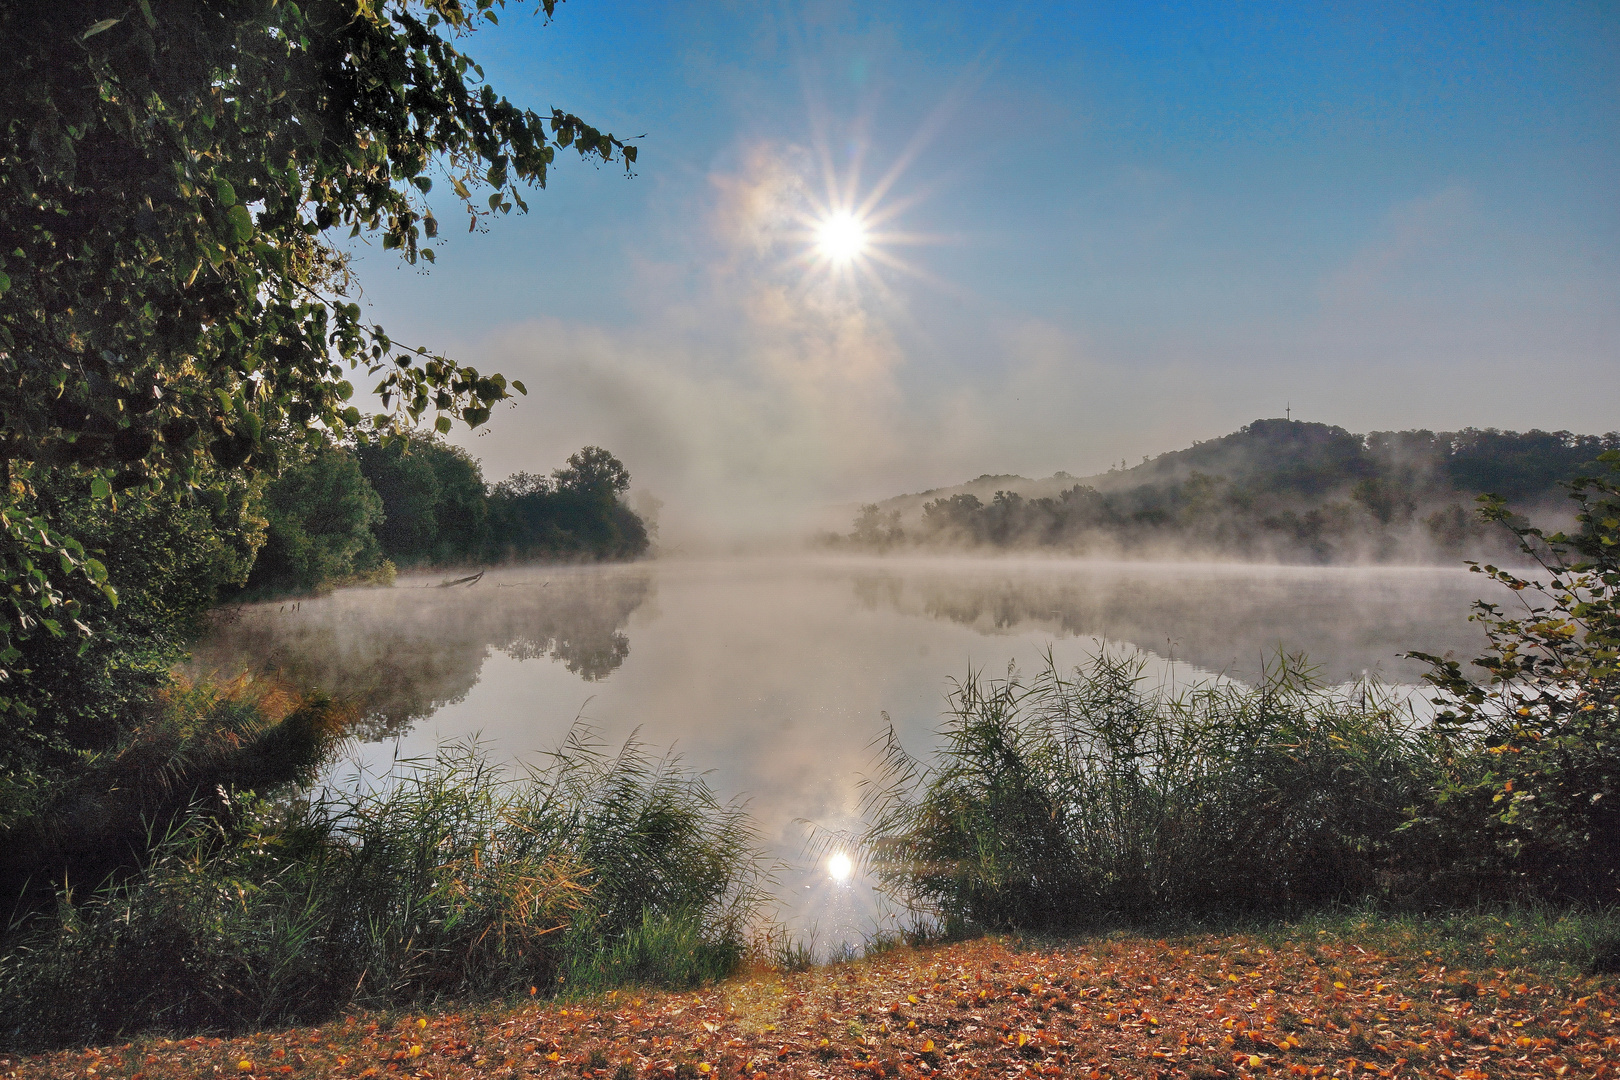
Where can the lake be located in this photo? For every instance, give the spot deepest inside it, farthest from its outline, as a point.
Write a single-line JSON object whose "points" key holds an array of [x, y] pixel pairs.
{"points": [[775, 674]]}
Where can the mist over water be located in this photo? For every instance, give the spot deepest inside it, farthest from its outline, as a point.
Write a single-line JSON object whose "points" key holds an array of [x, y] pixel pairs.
{"points": [[774, 672]]}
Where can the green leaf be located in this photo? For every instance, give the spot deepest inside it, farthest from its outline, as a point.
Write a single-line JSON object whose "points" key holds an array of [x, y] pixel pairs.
{"points": [[96, 28], [100, 490], [442, 425], [520, 388], [241, 223]]}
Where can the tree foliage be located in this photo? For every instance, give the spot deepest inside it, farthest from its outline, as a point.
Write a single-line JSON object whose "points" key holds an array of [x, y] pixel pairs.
{"points": [[1536, 769], [172, 289], [435, 506], [1278, 489], [577, 513], [170, 561], [321, 515]]}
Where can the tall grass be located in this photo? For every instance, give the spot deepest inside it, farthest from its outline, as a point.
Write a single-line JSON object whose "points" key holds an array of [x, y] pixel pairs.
{"points": [[1067, 800], [451, 880]]}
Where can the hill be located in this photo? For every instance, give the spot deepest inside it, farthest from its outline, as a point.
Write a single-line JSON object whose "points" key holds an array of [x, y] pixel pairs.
{"points": [[1282, 489]]}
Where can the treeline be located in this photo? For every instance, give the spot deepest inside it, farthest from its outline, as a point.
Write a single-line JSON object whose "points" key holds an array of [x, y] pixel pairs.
{"points": [[357, 513], [335, 514], [1276, 489], [1073, 800]]}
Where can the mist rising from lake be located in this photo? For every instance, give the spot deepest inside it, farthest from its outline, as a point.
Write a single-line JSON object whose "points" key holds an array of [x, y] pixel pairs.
{"points": [[774, 673]]}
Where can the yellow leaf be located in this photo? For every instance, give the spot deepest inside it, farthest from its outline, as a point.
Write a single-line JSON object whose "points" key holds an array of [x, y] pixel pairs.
{"points": [[1254, 1062], [1340, 986], [244, 1065], [1233, 978], [1023, 1039], [552, 1057], [928, 1046], [703, 1066], [421, 1022], [416, 1050], [912, 998]]}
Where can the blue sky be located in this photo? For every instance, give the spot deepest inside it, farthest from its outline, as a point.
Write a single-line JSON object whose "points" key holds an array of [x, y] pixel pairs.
{"points": [[1117, 229]]}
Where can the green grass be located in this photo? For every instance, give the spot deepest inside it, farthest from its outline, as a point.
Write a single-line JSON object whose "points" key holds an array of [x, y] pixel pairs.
{"points": [[1069, 801], [452, 880], [1558, 944]]}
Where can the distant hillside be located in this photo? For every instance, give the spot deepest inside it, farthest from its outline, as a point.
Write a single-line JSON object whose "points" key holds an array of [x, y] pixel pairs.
{"points": [[1282, 489]]}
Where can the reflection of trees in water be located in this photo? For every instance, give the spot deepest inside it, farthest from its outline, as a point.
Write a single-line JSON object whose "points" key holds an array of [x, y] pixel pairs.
{"points": [[593, 659], [402, 654], [1346, 622]]}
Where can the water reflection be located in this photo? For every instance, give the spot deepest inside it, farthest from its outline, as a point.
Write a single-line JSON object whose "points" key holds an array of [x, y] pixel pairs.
{"points": [[775, 674], [1228, 619], [403, 654]]}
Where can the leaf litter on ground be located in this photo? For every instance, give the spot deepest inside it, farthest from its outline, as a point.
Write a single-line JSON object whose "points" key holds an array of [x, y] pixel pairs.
{"points": [[1198, 1007]]}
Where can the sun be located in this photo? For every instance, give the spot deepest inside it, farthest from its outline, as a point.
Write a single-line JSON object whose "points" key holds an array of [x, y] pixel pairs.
{"points": [[839, 867], [841, 237]]}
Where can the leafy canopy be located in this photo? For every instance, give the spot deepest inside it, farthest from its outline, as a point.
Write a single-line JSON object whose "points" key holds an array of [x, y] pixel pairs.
{"points": [[172, 176], [1544, 782]]}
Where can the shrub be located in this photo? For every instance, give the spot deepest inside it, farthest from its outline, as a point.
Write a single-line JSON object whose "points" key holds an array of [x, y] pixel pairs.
{"points": [[1529, 792]]}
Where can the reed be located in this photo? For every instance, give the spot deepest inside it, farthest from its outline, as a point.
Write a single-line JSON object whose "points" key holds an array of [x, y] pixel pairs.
{"points": [[448, 879], [1070, 800]]}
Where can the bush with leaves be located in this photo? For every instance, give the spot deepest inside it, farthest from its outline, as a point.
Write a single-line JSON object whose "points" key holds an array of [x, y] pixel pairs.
{"points": [[170, 558], [1530, 795]]}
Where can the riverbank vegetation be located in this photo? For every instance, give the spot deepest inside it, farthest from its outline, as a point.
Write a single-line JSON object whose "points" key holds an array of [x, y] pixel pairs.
{"points": [[72, 699], [1059, 804], [1277, 489], [178, 335], [1059, 801], [445, 880]]}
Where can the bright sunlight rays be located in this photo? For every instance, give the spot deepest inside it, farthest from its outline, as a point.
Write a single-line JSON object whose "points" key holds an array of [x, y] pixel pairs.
{"points": [[841, 237], [849, 234], [839, 867]]}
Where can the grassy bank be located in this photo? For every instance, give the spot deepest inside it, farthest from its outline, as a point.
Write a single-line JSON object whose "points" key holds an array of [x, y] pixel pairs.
{"points": [[1101, 797], [448, 879], [1351, 995]]}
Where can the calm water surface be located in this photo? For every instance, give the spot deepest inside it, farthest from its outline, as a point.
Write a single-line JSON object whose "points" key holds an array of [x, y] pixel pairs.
{"points": [[773, 673]]}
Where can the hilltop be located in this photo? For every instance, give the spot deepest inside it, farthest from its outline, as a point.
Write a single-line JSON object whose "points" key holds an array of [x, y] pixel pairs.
{"points": [[1284, 489]]}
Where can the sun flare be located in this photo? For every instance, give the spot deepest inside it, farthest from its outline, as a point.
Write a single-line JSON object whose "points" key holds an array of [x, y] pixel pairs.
{"points": [[839, 867], [841, 237]]}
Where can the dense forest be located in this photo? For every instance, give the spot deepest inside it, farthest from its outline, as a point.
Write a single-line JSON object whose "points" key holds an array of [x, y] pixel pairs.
{"points": [[357, 513], [1282, 489]]}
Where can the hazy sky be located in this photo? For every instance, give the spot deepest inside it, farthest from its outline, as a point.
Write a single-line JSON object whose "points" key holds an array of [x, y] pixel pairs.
{"points": [[1101, 231]]}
